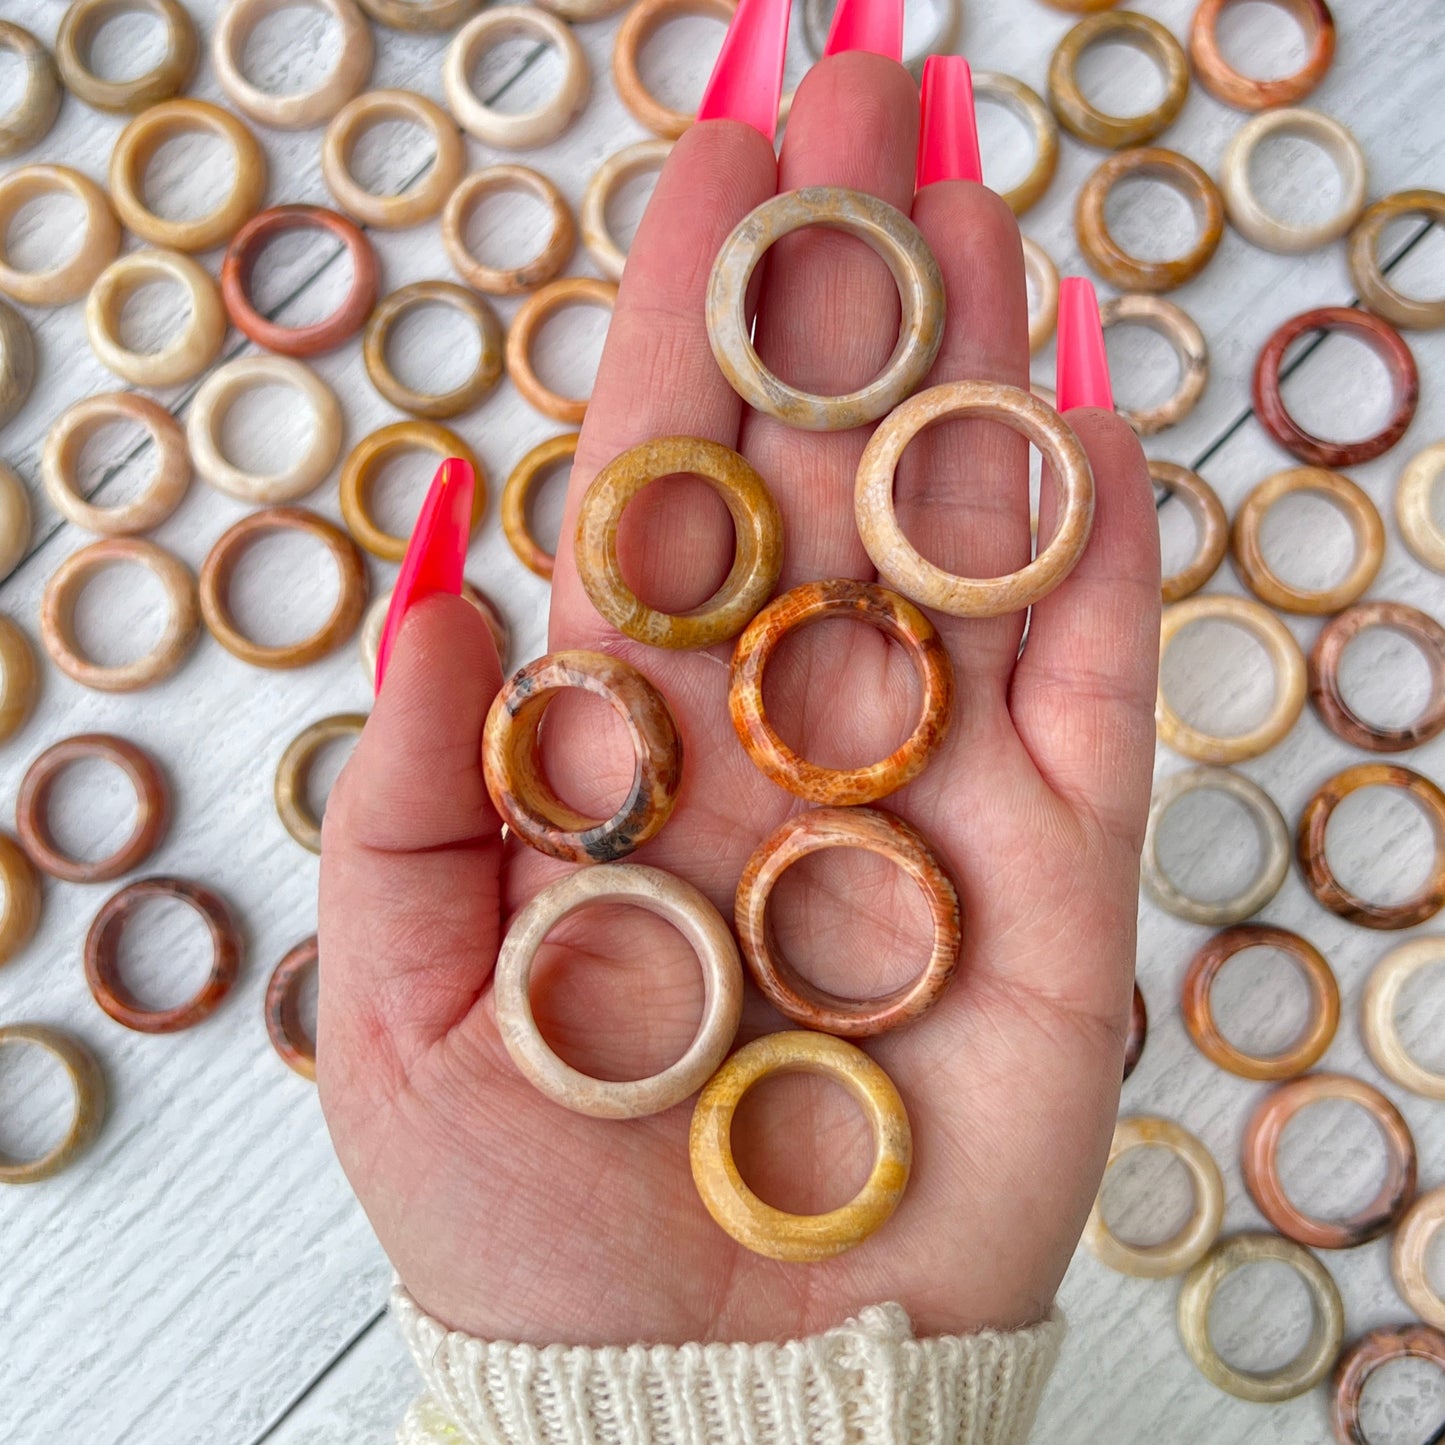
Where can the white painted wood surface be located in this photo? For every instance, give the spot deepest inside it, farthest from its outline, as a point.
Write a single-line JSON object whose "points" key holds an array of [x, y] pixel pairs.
{"points": [[205, 1274]]}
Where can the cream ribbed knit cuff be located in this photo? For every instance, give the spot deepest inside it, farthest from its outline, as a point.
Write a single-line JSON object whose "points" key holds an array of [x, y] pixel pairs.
{"points": [[869, 1382]]}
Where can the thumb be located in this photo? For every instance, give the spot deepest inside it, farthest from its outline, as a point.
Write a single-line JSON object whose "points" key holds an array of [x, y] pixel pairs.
{"points": [[411, 853]]}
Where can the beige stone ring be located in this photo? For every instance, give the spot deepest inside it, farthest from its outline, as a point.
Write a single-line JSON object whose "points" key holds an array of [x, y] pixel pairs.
{"points": [[901, 564], [681, 905], [900, 245]]}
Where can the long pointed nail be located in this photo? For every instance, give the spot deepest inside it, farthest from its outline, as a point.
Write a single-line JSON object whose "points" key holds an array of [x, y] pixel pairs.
{"points": [[875, 25], [1083, 364], [436, 553], [747, 81], [948, 136]]}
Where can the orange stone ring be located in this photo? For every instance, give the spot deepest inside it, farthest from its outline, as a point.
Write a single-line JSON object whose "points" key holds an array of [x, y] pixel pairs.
{"points": [[863, 602], [773, 1232], [791, 994], [900, 563], [757, 554]]}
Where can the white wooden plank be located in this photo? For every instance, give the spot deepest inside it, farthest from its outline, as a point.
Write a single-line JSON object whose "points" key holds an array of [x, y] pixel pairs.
{"points": [[208, 1254]]}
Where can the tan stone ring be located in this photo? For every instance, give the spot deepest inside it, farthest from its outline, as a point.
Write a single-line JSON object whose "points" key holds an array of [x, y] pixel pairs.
{"points": [[861, 602], [78, 29], [294, 771], [670, 898], [1377, 1015], [1410, 1253], [773, 1232], [900, 245], [757, 555], [1211, 527], [797, 999], [87, 1085], [904, 567], [29, 120]]}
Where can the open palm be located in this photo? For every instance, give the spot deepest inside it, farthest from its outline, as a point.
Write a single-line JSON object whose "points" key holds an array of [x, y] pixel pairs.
{"points": [[512, 1218]]}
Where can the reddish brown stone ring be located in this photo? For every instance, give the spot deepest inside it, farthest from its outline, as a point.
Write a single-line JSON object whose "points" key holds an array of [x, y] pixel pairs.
{"points": [[1260, 1162], [787, 990], [862, 602], [1197, 1006], [1138, 1033], [1363, 1358], [1315, 821], [1324, 672], [152, 811], [1383, 340], [102, 961], [319, 336], [1247, 92], [283, 1009], [517, 780]]}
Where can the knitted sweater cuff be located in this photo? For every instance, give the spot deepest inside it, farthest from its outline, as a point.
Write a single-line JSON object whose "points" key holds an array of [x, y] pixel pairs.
{"points": [[869, 1382]]}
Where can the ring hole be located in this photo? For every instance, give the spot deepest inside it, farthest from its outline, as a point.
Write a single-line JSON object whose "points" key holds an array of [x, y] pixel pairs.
{"points": [[1147, 1197], [163, 954], [1006, 142], [434, 348], [189, 176], [45, 234], [1307, 541], [545, 503], [1420, 274], [265, 428], [1120, 75], [626, 204], [815, 665], [1332, 1159], [1381, 845], [850, 922], [1152, 219], [397, 486], [1342, 393], [567, 347], [1420, 1017], [1144, 367], [1261, 1002], [1295, 179], [675, 61], [301, 276], [1403, 1402], [518, 74], [801, 1143], [676, 543], [1386, 678], [1263, 41], [283, 588], [322, 771], [293, 50], [587, 753], [1261, 1317], [118, 455], [154, 315], [1179, 536], [829, 273], [90, 810], [391, 156], [38, 1102], [1219, 677], [501, 228], [120, 614], [617, 992], [14, 83], [123, 45], [1208, 845]]}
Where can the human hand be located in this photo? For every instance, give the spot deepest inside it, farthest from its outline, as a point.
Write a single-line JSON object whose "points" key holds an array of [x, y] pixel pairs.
{"points": [[511, 1218]]}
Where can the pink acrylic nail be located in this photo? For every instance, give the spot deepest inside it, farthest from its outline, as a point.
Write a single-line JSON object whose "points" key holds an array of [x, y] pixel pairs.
{"points": [[1082, 377], [948, 136], [436, 553], [874, 25], [747, 81]]}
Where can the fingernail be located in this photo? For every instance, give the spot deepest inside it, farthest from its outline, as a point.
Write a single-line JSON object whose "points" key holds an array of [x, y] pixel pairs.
{"points": [[747, 81], [436, 553], [948, 135], [1082, 378], [874, 25]]}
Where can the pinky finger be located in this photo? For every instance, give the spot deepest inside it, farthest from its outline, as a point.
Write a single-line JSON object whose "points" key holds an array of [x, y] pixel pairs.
{"points": [[1082, 696]]}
